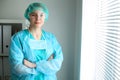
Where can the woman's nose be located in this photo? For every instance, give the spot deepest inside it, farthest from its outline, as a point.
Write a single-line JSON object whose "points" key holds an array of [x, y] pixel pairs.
{"points": [[38, 17]]}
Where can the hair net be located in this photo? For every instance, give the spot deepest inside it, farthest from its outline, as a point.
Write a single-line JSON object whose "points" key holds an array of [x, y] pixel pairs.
{"points": [[36, 6]]}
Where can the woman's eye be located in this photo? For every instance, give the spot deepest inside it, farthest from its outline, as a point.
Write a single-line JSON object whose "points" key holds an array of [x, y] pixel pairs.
{"points": [[41, 15], [36, 15], [33, 15]]}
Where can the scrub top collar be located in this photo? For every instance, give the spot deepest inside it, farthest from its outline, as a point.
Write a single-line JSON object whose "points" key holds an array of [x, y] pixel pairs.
{"points": [[31, 36], [37, 44]]}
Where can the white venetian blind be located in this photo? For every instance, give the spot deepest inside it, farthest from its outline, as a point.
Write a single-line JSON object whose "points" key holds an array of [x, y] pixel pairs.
{"points": [[108, 40], [100, 49]]}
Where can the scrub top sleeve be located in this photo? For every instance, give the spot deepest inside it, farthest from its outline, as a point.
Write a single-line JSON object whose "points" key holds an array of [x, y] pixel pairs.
{"points": [[52, 66], [16, 58]]}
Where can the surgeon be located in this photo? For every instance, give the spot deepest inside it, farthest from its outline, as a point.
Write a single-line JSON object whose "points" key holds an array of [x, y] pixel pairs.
{"points": [[34, 53]]}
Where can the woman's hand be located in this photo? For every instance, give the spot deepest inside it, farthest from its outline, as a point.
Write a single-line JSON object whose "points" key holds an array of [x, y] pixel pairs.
{"points": [[51, 57], [29, 64], [33, 65]]}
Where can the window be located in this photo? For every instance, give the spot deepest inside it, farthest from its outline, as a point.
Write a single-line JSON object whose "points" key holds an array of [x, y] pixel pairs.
{"points": [[100, 53]]}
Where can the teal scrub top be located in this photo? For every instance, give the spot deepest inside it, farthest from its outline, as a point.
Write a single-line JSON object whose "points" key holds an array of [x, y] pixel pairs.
{"points": [[24, 46]]}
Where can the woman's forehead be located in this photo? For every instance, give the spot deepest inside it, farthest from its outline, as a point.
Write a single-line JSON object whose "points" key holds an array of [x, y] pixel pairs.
{"points": [[37, 12]]}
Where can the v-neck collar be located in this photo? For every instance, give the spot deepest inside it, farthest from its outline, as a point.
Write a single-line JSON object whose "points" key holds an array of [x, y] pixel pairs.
{"points": [[32, 37]]}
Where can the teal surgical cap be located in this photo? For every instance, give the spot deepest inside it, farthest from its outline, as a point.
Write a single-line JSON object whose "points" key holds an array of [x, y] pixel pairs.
{"points": [[36, 6]]}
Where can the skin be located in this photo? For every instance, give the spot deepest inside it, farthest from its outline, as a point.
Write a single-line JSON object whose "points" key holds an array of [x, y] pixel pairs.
{"points": [[37, 19]]}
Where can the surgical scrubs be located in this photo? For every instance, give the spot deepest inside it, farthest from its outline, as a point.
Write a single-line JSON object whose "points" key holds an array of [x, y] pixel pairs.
{"points": [[24, 46]]}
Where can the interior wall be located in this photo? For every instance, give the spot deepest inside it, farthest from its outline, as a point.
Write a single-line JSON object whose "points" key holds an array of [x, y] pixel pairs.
{"points": [[78, 31], [62, 20]]}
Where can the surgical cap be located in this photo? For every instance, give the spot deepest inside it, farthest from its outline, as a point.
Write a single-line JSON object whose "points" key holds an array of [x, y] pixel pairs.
{"points": [[36, 6]]}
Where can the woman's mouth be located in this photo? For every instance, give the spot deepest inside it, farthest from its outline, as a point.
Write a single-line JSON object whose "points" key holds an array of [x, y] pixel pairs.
{"points": [[37, 22]]}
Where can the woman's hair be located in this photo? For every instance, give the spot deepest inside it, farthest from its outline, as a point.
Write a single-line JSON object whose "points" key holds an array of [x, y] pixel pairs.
{"points": [[36, 6]]}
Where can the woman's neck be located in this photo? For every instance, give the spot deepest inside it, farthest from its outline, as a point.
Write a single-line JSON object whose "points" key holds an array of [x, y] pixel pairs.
{"points": [[36, 32]]}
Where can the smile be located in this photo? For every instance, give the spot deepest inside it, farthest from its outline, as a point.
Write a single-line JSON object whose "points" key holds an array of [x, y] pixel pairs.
{"points": [[37, 22]]}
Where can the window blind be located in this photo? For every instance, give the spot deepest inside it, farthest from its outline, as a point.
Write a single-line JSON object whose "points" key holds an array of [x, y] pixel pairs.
{"points": [[107, 40]]}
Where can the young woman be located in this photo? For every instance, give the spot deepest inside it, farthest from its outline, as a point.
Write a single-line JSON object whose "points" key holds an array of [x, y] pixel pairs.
{"points": [[34, 53]]}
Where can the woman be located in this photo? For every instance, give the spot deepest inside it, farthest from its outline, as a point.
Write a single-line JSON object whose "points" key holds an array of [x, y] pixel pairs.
{"points": [[34, 53]]}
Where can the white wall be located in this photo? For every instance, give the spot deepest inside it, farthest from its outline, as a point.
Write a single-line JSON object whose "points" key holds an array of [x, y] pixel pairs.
{"points": [[62, 22]]}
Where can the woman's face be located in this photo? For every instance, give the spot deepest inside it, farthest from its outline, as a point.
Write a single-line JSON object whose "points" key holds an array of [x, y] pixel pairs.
{"points": [[37, 19]]}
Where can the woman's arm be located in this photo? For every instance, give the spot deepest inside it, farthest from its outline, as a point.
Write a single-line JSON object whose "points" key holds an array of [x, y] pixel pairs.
{"points": [[29, 64], [16, 58], [52, 65], [33, 65]]}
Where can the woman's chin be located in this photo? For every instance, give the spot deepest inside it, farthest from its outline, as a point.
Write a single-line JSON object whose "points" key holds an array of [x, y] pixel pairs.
{"points": [[38, 25]]}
